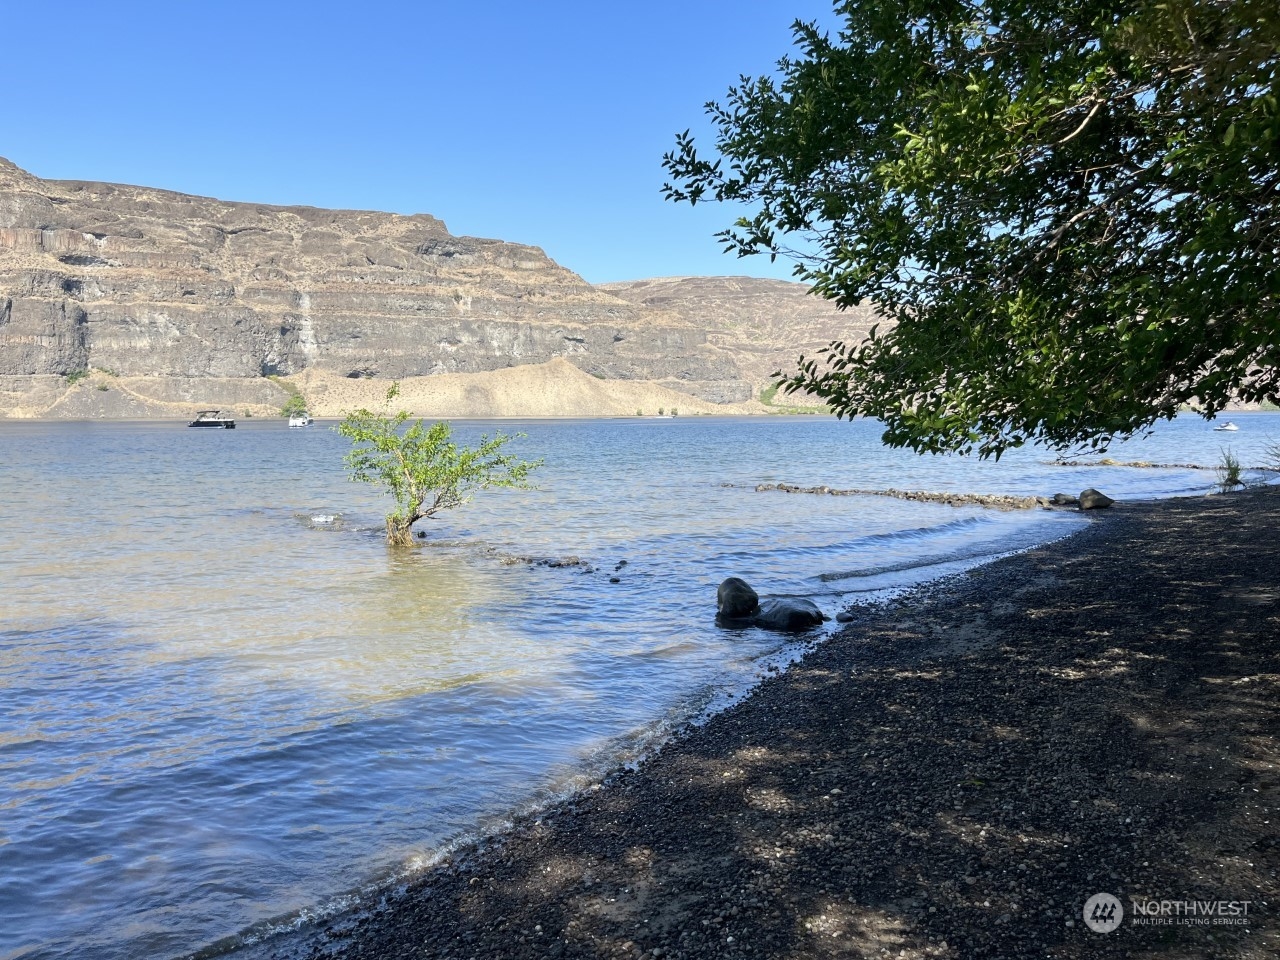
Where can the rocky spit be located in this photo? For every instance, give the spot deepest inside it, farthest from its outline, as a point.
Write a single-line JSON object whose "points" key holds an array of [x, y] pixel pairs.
{"points": [[997, 501], [952, 776]]}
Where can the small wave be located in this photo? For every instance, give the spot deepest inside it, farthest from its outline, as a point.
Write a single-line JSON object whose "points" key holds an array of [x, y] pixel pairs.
{"points": [[970, 553], [679, 648], [957, 557], [959, 525], [822, 548]]}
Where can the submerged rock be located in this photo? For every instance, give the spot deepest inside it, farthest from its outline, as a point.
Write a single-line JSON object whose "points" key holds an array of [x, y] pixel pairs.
{"points": [[1092, 499], [555, 563]]}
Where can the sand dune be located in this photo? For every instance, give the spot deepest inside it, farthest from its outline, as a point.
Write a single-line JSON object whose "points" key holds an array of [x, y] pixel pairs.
{"points": [[553, 389]]}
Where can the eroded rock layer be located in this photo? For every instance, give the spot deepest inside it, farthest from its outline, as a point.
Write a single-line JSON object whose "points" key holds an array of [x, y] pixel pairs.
{"points": [[139, 282]]}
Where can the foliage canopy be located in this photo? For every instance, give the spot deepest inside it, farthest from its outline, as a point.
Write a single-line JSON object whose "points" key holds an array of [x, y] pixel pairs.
{"points": [[1067, 208], [295, 406], [422, 468]]}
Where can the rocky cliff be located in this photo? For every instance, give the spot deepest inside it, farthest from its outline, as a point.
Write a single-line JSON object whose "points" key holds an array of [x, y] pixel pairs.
{"points": [[763, 325], [205, 299]]}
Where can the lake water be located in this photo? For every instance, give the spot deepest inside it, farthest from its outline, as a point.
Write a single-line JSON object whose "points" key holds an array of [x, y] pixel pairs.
{"points": [[219, 715]]}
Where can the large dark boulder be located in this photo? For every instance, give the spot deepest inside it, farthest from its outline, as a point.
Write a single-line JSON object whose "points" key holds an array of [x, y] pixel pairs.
{"points": [[788, 614], [740, 606], [1092, 499], [735, 600]]}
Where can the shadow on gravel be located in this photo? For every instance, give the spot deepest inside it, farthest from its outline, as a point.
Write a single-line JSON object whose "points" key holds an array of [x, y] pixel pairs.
{"points": [[951, 778]]}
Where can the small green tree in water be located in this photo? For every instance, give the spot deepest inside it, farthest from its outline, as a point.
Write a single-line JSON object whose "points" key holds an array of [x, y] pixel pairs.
{"points": [[422, 468]]}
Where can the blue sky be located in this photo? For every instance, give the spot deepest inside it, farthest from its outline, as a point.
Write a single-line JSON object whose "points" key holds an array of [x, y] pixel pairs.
{"points": [[537, 122]]}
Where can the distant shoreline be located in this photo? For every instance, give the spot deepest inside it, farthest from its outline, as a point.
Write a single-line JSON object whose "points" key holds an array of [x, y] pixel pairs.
{"points": [[952, 776], [556, 389], [278, 420]]}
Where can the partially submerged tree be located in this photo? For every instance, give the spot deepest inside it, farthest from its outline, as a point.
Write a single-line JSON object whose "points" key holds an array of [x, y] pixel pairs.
{"points": [[422, 468], [1069, 209]]}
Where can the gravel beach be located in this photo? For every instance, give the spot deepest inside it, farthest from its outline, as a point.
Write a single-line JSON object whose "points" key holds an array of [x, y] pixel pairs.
{"points": [[951, 776]]}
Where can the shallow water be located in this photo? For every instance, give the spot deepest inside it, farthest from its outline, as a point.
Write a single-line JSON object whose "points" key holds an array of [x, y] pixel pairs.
{"points": [[219, 712]]}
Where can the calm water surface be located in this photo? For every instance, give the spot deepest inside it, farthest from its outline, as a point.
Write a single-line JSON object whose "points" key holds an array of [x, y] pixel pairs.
{"points": [[218, 714]]}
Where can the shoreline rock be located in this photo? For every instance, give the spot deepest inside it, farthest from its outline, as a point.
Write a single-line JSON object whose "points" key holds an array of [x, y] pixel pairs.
{"points": [[998, 501], [738, 606], [1149, 465], [1092, 499]]}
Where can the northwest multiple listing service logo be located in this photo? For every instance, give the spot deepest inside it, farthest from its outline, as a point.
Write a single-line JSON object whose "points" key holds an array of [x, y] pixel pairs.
{"points": [[1103, 912]]}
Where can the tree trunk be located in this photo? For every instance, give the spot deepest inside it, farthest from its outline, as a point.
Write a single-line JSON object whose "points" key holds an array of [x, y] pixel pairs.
{"points": [[399, 531]]}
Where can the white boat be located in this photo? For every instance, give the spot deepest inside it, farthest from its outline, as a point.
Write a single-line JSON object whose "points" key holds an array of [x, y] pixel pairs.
{"points": [[302, 419], [1227, 425]]}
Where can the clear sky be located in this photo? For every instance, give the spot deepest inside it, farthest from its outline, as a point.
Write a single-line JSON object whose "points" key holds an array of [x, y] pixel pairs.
{"points": [[541, 122]]}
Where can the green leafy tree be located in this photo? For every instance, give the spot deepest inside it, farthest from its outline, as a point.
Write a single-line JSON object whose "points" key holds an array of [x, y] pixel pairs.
{"points": [[1066, 212], [295, 406], [422, 468]]}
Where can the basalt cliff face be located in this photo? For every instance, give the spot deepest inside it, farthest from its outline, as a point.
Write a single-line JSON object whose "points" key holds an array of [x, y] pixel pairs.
{"points": [[188, 300], [764, 325]]}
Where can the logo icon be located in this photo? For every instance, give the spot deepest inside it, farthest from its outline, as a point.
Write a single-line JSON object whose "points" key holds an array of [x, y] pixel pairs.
{"points": [[1102, 913]]}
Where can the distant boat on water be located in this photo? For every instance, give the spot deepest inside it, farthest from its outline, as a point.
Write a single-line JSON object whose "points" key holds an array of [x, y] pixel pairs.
{"points": [[1226, 426], [213, 418], [302, 419]]}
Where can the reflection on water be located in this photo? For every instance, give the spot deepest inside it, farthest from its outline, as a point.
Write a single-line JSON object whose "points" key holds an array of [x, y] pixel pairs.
{"points": [[217, 712]]}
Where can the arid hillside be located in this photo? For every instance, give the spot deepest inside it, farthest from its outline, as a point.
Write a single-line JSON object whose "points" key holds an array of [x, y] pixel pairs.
{"points": [[174, 300]]}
